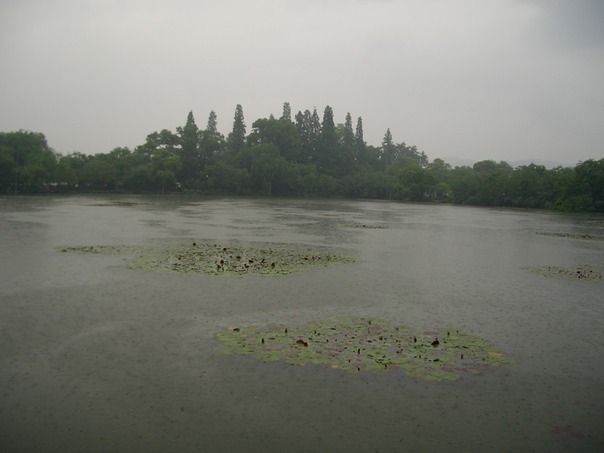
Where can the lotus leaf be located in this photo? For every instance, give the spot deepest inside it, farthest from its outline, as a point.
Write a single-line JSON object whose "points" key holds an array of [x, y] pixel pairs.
{"points": [[582, 236], [217, 259], [362, 344], [585, 272], [364, 226]]}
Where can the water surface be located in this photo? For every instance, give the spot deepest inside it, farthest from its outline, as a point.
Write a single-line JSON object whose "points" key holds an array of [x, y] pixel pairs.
{"points": [[96, 357]]}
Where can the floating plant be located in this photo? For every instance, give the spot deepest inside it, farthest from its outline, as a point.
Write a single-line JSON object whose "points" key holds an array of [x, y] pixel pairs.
{"points": [[361, 344], [567, 430], [582, 236], [563, 273], [120, 203], [364, 226], [104, 249], [217, 259]]}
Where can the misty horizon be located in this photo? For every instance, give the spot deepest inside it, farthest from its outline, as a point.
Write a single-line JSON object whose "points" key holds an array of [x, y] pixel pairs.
{"points": [[498, 81]]}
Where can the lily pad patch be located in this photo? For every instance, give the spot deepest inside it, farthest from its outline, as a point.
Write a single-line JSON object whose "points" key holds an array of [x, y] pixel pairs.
{"points": [[360, 344], [120, 203], [104, 249], [567, 431], [217, 259], [367, 226], [584, 272], [581, 236]]}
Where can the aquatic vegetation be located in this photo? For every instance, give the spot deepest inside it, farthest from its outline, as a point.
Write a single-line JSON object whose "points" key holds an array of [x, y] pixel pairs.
{"points": [[567, 430], [360, 344], [218, 259], [123, 203], [234, 259], [580, 272], [584, 272], [582, 236], [120, 203], [104, 249], [364, 226]]}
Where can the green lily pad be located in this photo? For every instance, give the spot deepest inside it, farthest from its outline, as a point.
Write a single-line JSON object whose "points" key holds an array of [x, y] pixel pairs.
{"points": [[119, 203], [364, 226], [581, 236], [584, 272], [104, 249], [216, 259], [362, 344]]}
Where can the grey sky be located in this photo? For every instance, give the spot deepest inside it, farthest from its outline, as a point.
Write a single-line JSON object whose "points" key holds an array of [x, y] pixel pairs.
{"points": [[476, 79]]}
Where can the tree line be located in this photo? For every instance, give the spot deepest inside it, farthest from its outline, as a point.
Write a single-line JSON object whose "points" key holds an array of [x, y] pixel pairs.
{"points": [[306, 155]]}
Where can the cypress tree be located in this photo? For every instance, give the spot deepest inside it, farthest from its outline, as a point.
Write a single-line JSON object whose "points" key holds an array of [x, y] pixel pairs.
{"points": [[388, 149], [314, 132], [212, 126], [309, 128], [236, 139], [358, 137], [212, 143], [359, 142], [348, 138], [287, 112], [327, 158], [189, 151], [347, 154]]}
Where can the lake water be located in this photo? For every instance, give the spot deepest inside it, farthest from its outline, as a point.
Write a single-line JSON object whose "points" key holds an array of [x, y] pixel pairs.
{"points": [[97, 357]]}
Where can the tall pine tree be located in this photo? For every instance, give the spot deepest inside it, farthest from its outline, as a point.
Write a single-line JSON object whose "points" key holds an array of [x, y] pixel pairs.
{"points": [[212, 126], [359, 140], [212, 144], [327, 159], [314, 124], [348, 138], [309, 128], [287, 112], [189, 152], [388, 149], [346, 150], [236, 139]]}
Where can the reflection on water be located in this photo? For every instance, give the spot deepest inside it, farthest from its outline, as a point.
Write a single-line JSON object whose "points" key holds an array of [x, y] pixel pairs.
{"points": [[95, 354]]}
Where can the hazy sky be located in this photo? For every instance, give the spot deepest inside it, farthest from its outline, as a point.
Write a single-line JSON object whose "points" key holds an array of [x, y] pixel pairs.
{"points": [[476, 79]]}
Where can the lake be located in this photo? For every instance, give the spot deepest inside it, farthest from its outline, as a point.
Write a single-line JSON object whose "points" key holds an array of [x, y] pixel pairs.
{"points": [[98, 357]]}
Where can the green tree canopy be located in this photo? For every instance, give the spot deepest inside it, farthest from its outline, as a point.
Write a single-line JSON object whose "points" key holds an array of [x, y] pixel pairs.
{"points": [[28, 161], [189, 155], [282, 133]]}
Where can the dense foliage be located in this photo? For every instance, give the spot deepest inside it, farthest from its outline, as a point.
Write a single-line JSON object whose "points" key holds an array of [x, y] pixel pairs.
{"points": [[303, 156]]}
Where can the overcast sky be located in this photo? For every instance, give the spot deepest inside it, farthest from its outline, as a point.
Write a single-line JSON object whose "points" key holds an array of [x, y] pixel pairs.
{"points": [[476, 79]]}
